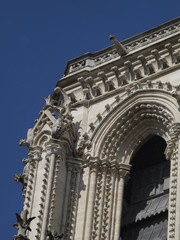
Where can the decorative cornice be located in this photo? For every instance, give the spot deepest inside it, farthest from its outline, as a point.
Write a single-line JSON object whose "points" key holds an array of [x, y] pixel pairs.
{"points": [[146, 39], [74, 162], [105, 82], [102, 165]]}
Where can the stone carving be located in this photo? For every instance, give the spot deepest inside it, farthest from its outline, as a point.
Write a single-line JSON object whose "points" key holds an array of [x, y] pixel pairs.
{"points": [[82, 144], [85, 205], [61, 124], [49, 102], [23, 224], [120, 133], [21, 179], [59, 103], [119, 47], [42, 196], [54, 236], [98, 198], [57, 128], [120, 50], [27, 142], [174, 91], [24, 177], [18, 178], [71, 208], [54, 187], [132, 71]]}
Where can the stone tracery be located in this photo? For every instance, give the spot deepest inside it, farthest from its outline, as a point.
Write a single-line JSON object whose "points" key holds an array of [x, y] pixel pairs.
{"points": [[75, 181]]}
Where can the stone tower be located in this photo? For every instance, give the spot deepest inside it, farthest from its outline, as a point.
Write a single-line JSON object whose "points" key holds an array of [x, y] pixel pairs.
{"points": [[103, 157]]}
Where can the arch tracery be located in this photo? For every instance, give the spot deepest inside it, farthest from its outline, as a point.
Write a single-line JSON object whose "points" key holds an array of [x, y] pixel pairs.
{"points": [[144, 109], [122, 131]]}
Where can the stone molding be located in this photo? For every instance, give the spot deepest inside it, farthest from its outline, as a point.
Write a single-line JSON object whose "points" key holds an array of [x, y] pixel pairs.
{"points": [[174, 137], [110, 81], [34, 156], [93, 165], [173, 193], [140, 120], [109, 54], [53, 148], [48, 192], [107, 173], [172, 152], [147, 108], [136, 88], [72, 205]]}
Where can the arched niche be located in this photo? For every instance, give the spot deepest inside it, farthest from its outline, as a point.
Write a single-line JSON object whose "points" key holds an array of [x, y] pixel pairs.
{"points": [[146, 195]]}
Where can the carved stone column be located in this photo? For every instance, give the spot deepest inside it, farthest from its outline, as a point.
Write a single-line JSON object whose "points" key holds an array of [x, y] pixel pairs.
{"points": [[101, 205], [76, 195], [52, 150], [34, 156], [66, 199], [71, 198], [176, 172], [112, 210], [91, 198], [123, 174], [173, 153]]}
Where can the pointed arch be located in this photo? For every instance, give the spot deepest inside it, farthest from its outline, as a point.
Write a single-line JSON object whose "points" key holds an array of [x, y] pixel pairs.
{"points": [[144, 112]]}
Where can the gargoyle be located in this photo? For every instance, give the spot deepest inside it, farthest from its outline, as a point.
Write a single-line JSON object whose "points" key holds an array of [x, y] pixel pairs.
{"points": [[57, 128], [18, 178], [23, 223], [27, 142], [24, 177], [54, 236], [21, 179]]}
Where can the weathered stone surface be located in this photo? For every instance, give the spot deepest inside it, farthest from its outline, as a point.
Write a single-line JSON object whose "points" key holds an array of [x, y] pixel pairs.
{"points": [[80, 151]]}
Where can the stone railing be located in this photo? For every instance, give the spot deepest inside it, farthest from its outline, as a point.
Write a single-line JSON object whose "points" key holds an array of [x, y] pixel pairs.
{"points": [[98, 59], [130, 72]]}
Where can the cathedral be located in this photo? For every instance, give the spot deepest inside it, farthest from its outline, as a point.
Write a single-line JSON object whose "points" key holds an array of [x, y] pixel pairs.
{"points": [[103, 157]]}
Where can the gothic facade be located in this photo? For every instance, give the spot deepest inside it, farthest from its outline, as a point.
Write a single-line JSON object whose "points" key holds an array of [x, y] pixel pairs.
{"points": [[103, 157]]}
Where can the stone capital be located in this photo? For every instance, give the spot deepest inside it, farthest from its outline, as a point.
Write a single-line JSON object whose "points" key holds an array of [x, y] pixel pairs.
{"points": [[114, 167], [77, 169], [104, 165], [34, 153], [69, 167], [114, 171], [53, 148], [94, 164], [124, 170]]}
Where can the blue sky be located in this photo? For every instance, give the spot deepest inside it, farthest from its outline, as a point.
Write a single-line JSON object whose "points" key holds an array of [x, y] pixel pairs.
{"points": [[37, 39]]}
